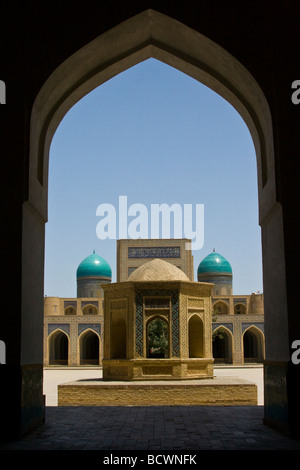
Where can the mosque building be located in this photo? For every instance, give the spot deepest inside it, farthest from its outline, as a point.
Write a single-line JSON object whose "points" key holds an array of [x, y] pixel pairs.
{"points": [[74, 327], [237, 320]]}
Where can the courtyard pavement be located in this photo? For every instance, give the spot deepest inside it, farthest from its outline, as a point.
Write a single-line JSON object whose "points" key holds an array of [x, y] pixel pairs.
{"points": [[55, 376], [151, 429]]}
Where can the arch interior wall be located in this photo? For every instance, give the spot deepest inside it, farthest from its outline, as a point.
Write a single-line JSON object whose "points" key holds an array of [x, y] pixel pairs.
{"points": [[121, 43]]}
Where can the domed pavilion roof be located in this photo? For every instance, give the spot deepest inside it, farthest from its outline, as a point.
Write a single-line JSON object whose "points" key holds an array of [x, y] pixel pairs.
{"points": [[214, 263], [93, 266], [158, 270]]}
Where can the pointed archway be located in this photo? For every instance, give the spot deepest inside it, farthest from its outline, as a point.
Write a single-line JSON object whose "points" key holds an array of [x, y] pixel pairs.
{"points": [[58, 348], [152, 34], [222, 345], [89, 348], [196, 339], [253, 345]]}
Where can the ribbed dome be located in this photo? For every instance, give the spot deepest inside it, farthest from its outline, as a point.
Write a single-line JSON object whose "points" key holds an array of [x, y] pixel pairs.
{"points": [[214, 263], [158, 270], [93, 266]]}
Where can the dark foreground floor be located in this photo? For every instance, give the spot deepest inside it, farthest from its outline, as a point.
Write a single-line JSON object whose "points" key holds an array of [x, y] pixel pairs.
{"points": [[156, 428]]}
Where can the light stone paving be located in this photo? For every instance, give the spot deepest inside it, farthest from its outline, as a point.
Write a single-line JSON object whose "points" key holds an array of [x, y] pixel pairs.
{"points": [[55, 376], [111, 430]]}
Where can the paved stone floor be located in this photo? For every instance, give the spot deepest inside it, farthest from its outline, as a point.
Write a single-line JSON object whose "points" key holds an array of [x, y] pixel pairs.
{"points": [[164, 428], [150, 429], [54, 376]]}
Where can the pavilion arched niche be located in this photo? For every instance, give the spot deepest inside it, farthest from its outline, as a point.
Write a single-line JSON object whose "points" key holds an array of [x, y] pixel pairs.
{"points": [[196, 339], [158, 334], [118, 338]]}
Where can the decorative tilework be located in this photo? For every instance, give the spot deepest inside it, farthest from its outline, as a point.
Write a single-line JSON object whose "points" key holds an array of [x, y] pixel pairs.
{"points": [[139, 323], [184, 259], [239, 301], [131, 269], [229, 326], [217, 299], [89, 326], [217, 279], [175, 323], [70, 303], [260, 326], [154, 252], [239, 325], [89, 302], [65, 327], [175, 318]]}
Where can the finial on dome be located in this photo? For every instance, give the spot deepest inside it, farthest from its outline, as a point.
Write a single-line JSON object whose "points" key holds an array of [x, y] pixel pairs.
{"points": [[93, 251], [214, 250]]}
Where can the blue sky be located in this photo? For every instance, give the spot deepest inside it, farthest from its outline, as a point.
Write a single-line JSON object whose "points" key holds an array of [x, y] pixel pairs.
{"points": [[154, 135]]}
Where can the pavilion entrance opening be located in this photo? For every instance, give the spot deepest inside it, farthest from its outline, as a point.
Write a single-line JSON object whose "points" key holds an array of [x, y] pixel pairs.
{"points": [[157, 338]]}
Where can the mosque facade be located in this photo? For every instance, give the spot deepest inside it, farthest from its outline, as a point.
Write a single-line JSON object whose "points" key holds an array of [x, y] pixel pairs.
{"points": [[74, 327]]}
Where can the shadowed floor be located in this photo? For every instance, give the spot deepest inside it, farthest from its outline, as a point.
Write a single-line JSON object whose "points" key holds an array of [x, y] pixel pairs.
{"points": [[154, 428]]}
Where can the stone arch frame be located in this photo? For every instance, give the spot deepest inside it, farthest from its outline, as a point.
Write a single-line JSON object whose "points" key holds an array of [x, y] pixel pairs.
{"points": [[244, 308], [230, 336], [196, 317], [121, 319], [221, 301], [152, 34], [87, 306], [148, 34], [149, 320], [79, 339], [50, 338], [260, 336], [70, 308]]}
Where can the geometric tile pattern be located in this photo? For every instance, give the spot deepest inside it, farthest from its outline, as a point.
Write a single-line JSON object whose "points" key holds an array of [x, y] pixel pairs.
{"points": [[259, 326], [70, 303], [133, 253], [92, 326], [239, 301], [174, 318], [89, 302], [65, 327], [139, 323], [154, 252], [214, 300], [239, 326], [229, 326]]}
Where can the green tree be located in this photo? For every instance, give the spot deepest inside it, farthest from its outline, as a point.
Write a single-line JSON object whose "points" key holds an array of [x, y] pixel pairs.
{"points": [[158, 338], [220, 333]]}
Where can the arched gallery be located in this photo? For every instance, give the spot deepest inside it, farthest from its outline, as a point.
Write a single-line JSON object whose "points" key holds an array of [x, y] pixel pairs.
{"points": [[74, 327]]}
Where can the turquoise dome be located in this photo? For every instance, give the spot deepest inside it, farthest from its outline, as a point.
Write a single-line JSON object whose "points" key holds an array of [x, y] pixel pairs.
{"points": [[214, 263], [93, 265]]}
